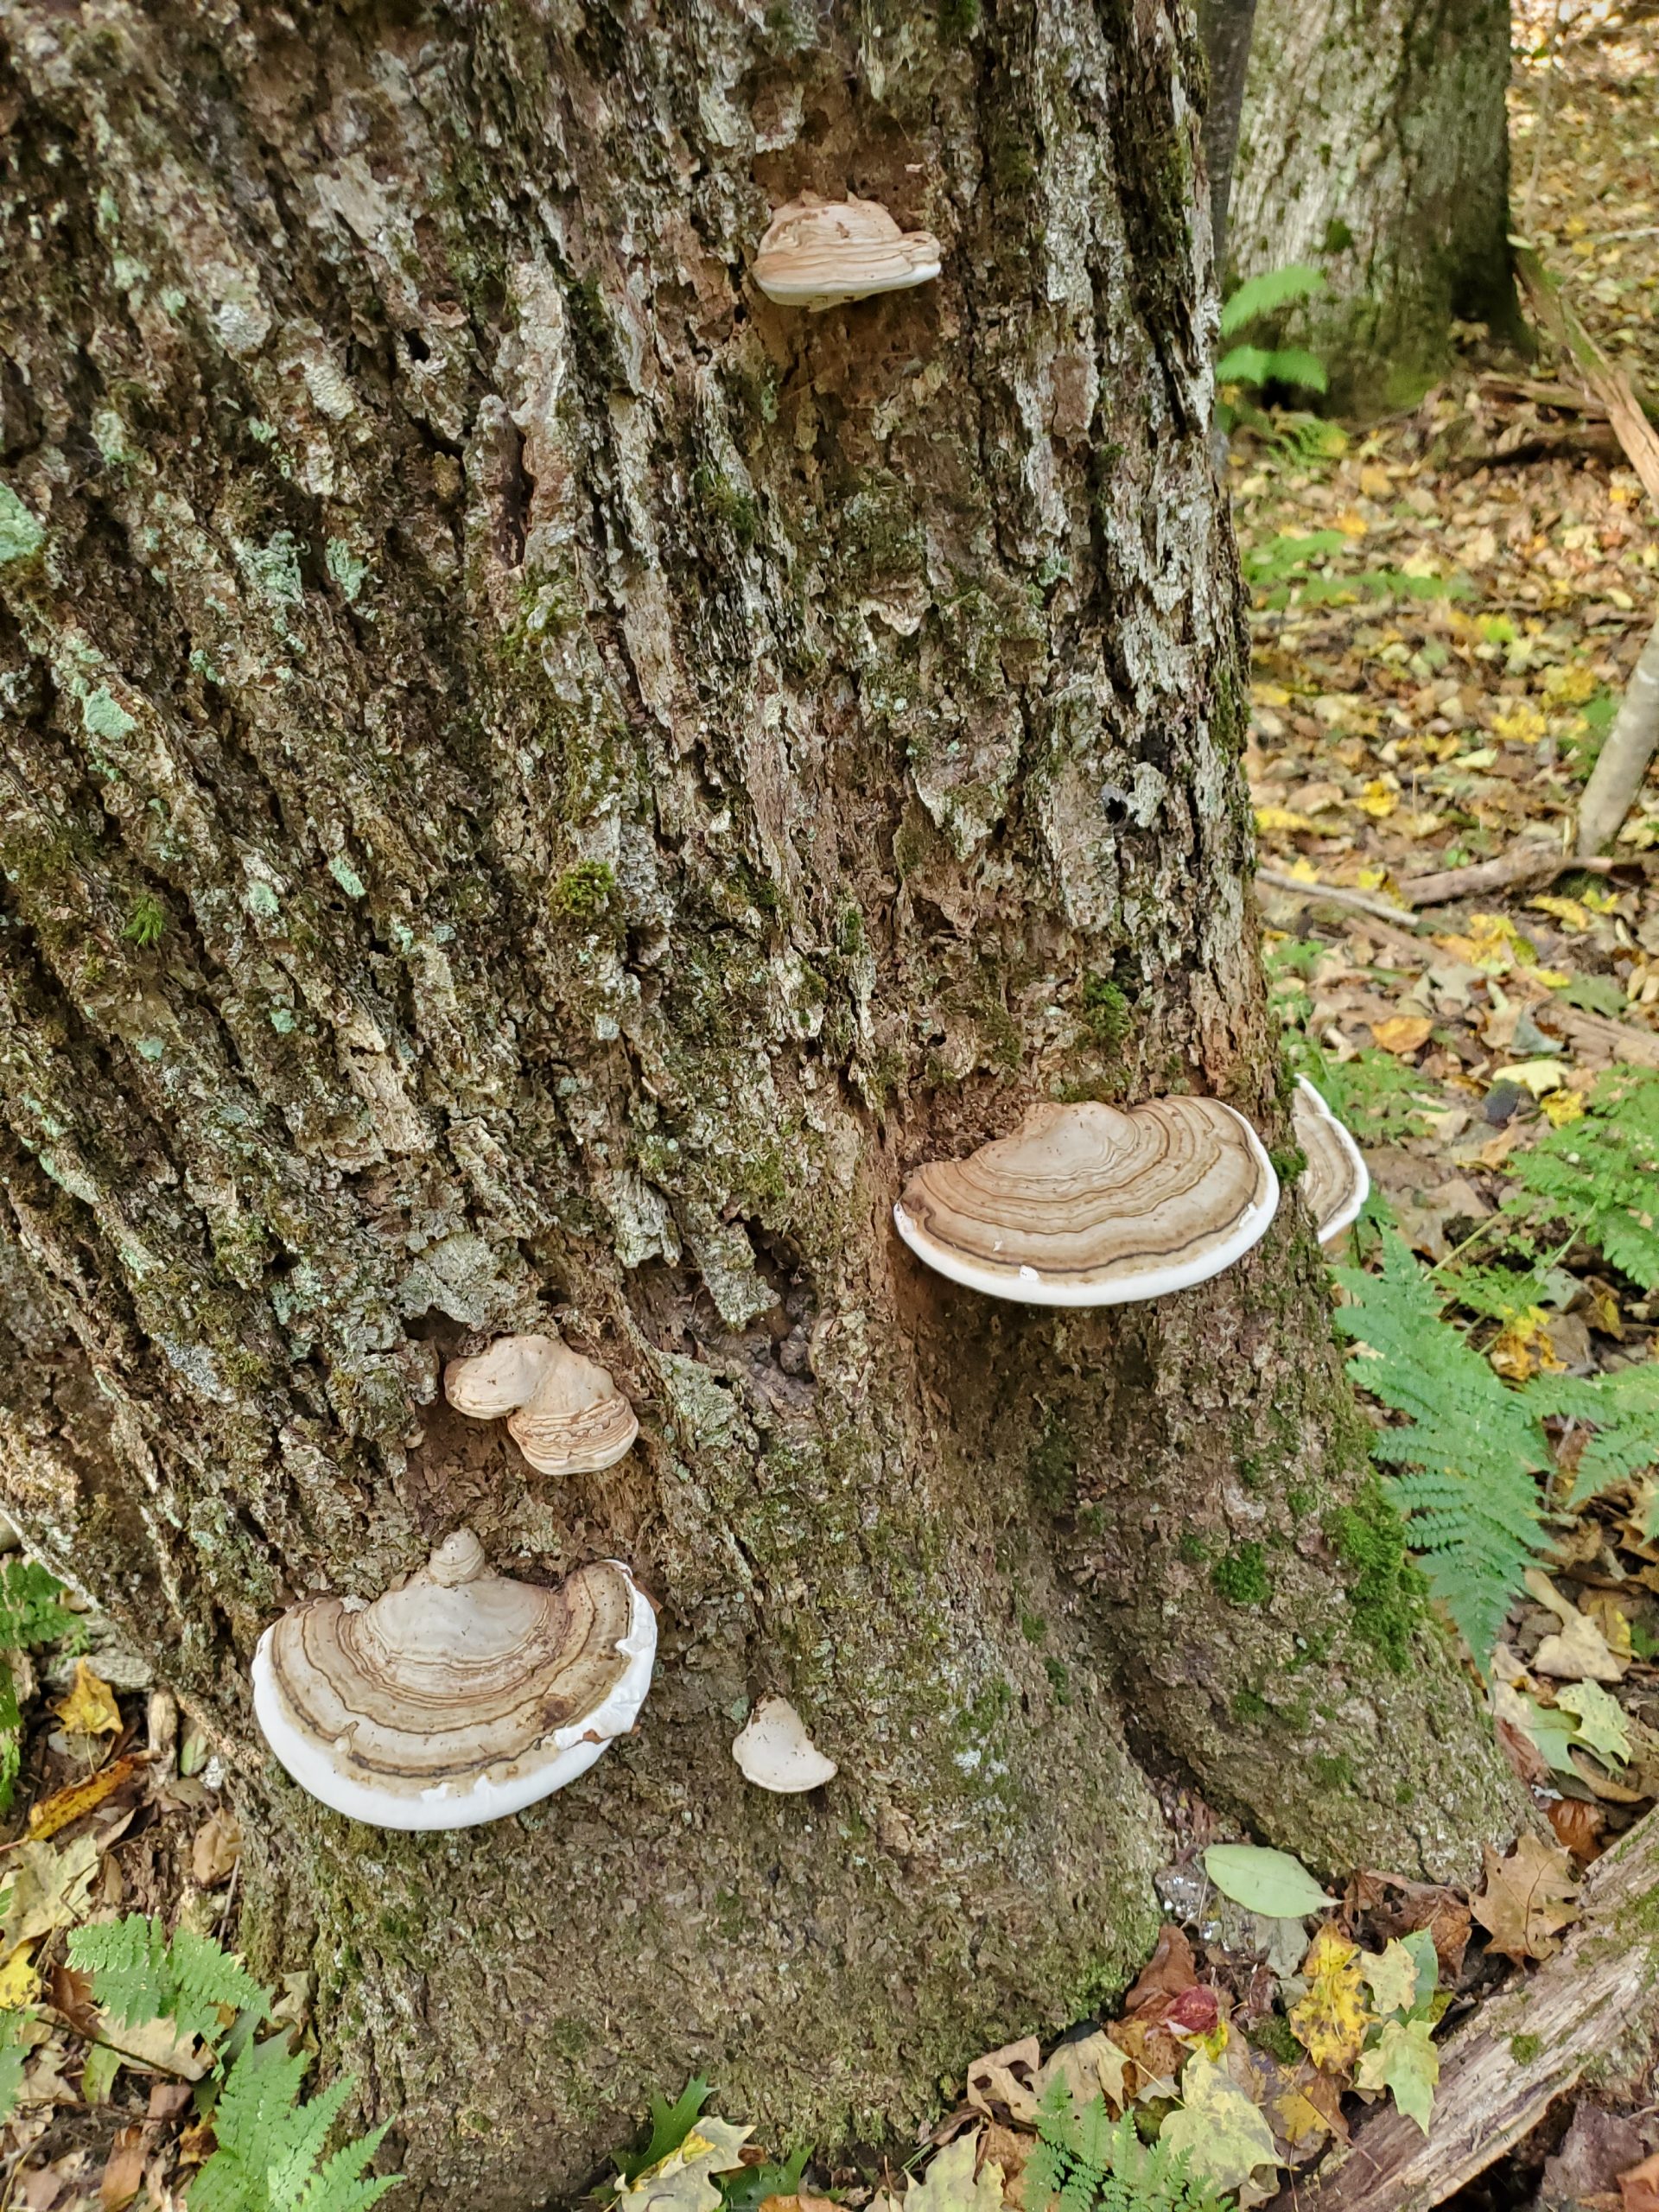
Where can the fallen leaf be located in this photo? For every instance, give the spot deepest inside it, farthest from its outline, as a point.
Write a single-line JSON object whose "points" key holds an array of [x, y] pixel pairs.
{"points": [[1331, 2018], [1579, 1652], [1564, 1106], [65, 1806], [950, 2183], [1391, 1975], [1090, 2066], [1281, 819], [49, 1889], [88, 1708], [1528, 1897], [684, 2181], [124, 2170], [1170, 1969], [1269, 1882], [1601, 1719], [1404, 2061], [1578, 1826], [1402, 1034], [19, 1983], [1429, 1905], [1310, 2106], [1224, 2136], [1006, 2079], [1639, 2186], [1156, 2055], [217, 1847]]}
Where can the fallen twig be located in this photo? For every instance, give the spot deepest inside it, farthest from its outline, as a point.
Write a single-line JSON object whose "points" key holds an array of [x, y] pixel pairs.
{"points": [[1624, 759], [1594, 2004], [1338, 894], [1597, 374], [1525, 863]]}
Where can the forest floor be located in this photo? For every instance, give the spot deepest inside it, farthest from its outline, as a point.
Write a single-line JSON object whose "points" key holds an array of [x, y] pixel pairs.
{"points": [[1447, 607]]}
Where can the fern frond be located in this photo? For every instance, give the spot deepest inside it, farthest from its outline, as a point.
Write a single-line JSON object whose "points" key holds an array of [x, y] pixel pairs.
{"points": [[1622, 1408], [1600, 1173], [137, 1975], [14, 2055], [1264, 295], [30, 1612], [1470, 1447], [1279, 365], [1045, 2172], [270, 2144]]}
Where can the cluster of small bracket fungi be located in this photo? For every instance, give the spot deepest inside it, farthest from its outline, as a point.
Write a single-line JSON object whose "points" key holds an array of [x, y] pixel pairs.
{"points": [[461, 1696]]}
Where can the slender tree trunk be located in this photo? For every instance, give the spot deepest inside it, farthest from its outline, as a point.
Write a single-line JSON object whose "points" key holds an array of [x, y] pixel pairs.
{"points": [[1225, 26], [624, 771], [1375, 147]]}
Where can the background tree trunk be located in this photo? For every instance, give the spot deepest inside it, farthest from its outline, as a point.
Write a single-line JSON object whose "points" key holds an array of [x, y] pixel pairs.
{"points": [[626, 771], [1225, 27], [1375, 147]]}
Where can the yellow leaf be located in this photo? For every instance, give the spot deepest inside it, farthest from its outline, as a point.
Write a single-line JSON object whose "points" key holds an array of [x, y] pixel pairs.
{"points": [[64, 1806], [1372, 878], [1376, 483], [1402, 1034], [19, 1983], [1537, 1075], [1332, 2017], [1269, 695], [1571, 913], [1352, 525], [1564, 1106], [1377, 800], [1268, 818], [1521, 1348], [1571, 687], [1522, 725], [89, 1709]]}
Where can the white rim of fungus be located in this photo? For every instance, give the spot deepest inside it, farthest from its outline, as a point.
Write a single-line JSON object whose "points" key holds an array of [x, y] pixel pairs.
{"points": [[787, 292], [1032, 1288], [509, 1787], [1348, 1213]]}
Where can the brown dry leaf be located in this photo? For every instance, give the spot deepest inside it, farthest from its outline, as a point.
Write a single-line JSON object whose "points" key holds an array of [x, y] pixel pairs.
{"points": [[1579, 1653], [64, 1806], [217, 1847], [49, 1887], [1402, 1034], [1007, 2078], [1578, 1826], [1090, 2066], [1639, 2186], [1528, 1897], [124, 2170], [1443, 1912], [1170, 1969], [1156, 2055], [70, 1993], [88, 1708], [1609, 1616], [1001, 2146]]}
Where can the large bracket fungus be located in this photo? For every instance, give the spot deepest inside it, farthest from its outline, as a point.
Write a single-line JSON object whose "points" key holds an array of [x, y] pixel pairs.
{"points": [[819, 253], [458, 1697], [567, 1415], [1094, 1205], [1337, 1182], [774, 1751]]}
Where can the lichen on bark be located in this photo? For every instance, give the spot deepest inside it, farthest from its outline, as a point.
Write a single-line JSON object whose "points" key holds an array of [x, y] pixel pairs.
{"points": [[623, 772]]}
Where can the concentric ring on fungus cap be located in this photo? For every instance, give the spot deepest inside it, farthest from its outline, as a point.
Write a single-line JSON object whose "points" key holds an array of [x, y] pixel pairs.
{"points": [[1094, 1205], [459, 1697]]}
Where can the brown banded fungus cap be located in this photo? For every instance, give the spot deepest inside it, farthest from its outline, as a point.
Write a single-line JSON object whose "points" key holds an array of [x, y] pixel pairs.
{"points": [[819, 253], [567, 1415], [1094, 1205], [774, 1751], [458, 1697], [1336, 1182]]}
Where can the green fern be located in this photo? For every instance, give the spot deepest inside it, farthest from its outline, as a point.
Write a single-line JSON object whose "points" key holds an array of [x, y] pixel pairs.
{"points": [[29, 1615], [14, 2055], [1267, 294], [1601, 1174], [1470, 1447], [1260, 365], [137, 1975], [1622, 1410], [1087, 2162], [269, 2150]]}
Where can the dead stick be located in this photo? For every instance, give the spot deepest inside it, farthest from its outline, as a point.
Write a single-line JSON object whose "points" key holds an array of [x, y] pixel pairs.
{"points": [[1533, 863], [1622, 765], [1338, 894]]}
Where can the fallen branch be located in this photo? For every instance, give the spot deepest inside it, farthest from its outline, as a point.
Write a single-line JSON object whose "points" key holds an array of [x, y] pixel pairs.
{"points": [[1594, 2004], [1622, 765], [1593, 370], [1527, 863], [1338, 894]]}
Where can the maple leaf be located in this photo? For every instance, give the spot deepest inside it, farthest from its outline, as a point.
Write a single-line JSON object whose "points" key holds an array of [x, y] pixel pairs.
{"points": [[1601, 1719], [1392, 1975], [1223, 2133], [684, 2181], [1527, 1899], [950, 2185], [1331, 2018], [89, 1707], [1404, 2060]]}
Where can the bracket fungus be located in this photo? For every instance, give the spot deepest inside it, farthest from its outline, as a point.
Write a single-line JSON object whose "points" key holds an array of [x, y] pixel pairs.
{"points": [[1094, 1205], [1337, 1182], [819, 253], [458, 1697], [567, 1415], [775, 1752]]}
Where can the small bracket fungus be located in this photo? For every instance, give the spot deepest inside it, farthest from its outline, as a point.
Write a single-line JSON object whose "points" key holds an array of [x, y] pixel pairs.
{"points": [[1090, 1205], [458, 1697], [775, 1752], [567, 1416], [817, 252], [1337, 1182]]}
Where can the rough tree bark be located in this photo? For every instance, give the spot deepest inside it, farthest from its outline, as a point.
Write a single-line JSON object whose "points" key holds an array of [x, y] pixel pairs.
{"points": [[622, 772], [1374, 145]]}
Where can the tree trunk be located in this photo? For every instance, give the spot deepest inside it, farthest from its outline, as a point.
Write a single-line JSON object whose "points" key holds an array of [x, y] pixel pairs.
{"points": [[1225, 26], [1375, 148], [624, 771]]}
